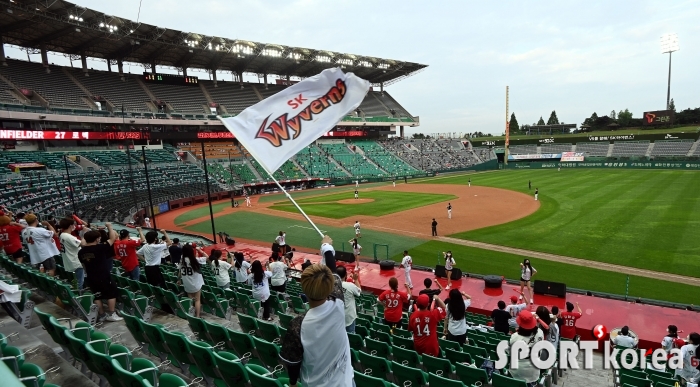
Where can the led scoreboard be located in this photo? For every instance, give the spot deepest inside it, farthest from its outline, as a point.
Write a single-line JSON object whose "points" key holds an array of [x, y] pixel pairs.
{"points": [[170, 79]]}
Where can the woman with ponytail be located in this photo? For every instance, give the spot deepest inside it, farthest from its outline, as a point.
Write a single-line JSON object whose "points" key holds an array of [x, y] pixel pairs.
{"points": [[220, 267]]}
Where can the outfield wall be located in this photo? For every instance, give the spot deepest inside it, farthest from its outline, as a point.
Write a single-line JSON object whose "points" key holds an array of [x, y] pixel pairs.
{"points": [[687, 165]]}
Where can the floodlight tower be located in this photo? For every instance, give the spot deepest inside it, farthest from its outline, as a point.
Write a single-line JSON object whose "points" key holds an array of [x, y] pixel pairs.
{"points": [[669, 44]]}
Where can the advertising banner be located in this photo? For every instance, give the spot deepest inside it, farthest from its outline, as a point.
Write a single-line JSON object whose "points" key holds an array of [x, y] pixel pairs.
{"points": [[659, 117], [543, 156], [572, 156]]}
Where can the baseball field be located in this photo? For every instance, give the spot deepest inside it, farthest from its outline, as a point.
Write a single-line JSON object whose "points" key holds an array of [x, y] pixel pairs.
{"points": [[633, 218]]}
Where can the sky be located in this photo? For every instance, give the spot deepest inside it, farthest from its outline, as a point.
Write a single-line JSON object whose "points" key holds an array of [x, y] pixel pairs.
{"points": [[575, 57]]}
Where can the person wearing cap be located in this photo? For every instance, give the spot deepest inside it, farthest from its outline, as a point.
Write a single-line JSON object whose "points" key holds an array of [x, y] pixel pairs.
{"points": [[623, 338], [40, 244], [328, 253], [316, 348], [125, 251], [531, 334], [514, 308], [423, 324]]}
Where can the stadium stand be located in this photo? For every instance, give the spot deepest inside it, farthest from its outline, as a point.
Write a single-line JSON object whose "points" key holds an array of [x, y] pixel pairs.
{"points": [[353, 162], [110, 86], [232, 96], [593, 148], [671, 147], [630, 148], [390, 163], [55, 87], [315, 162], [555, 148], [484, 153], [183, 99], [523, 149]]}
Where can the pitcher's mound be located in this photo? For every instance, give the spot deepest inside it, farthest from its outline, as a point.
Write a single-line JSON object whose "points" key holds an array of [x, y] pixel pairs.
{"points": [[355, 201]]}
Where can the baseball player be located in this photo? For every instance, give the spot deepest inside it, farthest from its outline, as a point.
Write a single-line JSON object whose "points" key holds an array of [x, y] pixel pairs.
{"points": [[537, 191], [357, 194], [449, 211], [247, 200], [357, 183], [357, 229], [394, 182], [470, 181], [407, 262]]}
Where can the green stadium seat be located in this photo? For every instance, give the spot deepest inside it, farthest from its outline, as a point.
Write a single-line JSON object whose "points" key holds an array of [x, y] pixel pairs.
{"points": [[470, 375], [404, 373], [436, 380], [407, 357]]}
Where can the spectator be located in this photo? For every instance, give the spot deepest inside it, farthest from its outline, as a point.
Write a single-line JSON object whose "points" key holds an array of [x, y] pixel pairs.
{"points": [[111, 254], [431, 292], [175, 251], [568, 329], [328, 253], [623, 338], [456, 327], [279, 277], [125, 249], [261, 291], [316, 345], [94, 257], [280, 240], [306, 264], [190, 272], [500, 318], [242, 267], [220, 268], [555, 313], [70, 246], [350, 291], [689, 353], [514, 309], [423, 324], [671, 339], [530, 333], [152, 252], [553, 334], [10, 233], [40, 243], [166, 252], [393, 301]]}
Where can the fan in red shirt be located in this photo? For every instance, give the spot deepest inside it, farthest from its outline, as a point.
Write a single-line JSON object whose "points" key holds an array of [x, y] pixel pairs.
{"points": [[10, 236], [125, 251], [568, 326], [423, 324], [393, 301]]}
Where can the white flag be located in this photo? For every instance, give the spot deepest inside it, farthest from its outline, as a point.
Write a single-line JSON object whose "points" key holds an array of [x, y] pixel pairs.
{"points": [[277, 128]]}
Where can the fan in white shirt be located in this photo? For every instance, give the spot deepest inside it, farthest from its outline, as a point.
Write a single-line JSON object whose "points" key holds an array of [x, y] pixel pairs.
{"points": [[220, 268], [241, 267], [690, 371], [190, 272], [623, 338]]}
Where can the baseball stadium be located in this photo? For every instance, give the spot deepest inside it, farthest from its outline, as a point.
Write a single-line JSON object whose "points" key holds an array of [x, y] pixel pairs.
{"points": [[608, 220]]}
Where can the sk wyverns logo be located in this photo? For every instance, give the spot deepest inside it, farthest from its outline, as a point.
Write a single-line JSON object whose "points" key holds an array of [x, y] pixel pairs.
{"points": [[283, 128], [649, 117]]}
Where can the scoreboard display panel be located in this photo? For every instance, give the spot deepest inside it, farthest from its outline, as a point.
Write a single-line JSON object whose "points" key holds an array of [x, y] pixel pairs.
{"points": [[170, 79]]}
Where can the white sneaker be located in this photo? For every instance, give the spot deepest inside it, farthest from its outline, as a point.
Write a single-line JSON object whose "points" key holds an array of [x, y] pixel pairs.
{"points": [[521, 297], [113, 317], [531, 301], [447, 287]]}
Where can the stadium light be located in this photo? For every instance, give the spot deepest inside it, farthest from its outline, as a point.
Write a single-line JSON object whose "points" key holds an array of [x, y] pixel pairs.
{"points": [[669, 44], [323, 58]]}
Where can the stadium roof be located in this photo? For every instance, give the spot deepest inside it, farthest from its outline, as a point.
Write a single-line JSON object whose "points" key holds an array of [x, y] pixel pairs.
{"points": [[64, 27]]}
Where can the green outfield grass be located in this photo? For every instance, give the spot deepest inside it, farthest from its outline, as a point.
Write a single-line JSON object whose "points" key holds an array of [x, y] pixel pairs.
{"points": [[250, 225], [316, 192], [385, 202], [199, 212], [473, 260], [638, 218]]}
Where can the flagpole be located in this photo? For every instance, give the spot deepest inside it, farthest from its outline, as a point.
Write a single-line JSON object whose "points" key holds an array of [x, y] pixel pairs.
{"points": [[293, 202]]}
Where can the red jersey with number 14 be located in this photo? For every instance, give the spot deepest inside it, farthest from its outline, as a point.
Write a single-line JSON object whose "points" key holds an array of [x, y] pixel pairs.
{"points": [[423, 325], [568, 326], [125, 251], [393, 305]]}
